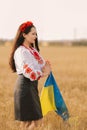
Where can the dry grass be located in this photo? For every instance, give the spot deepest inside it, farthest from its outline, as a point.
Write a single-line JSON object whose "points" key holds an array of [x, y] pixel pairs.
{"points": [[69, 65]]}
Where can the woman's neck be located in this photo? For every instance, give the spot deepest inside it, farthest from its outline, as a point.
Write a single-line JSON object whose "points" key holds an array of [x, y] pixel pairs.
{"points": [[26, 44]]}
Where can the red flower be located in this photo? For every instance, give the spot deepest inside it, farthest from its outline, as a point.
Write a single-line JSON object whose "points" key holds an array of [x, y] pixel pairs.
{"points": [[28, 70], [33, 76], [25, 66], [25, 25]]}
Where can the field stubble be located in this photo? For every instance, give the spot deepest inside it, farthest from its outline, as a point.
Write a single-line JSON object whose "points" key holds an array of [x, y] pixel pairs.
{"points": [[69, 66]]}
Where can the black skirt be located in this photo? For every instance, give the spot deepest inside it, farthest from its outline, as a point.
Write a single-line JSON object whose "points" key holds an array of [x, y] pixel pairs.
{"points": [[27, 105]]}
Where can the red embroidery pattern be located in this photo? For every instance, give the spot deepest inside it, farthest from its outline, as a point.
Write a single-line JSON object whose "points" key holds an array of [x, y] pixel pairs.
{"points": [[28, 70], [35, 54], [25, 66], [33, 76]]}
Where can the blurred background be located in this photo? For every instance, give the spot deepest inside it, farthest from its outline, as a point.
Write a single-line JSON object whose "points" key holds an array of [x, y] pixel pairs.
{"points": [[55, 20]]}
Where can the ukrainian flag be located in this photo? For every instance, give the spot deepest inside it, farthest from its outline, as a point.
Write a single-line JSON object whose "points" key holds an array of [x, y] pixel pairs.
{"points": [[52, 100]]}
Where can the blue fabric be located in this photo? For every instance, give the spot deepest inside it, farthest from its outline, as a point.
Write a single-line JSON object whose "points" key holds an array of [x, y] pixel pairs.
{"points": [[61, 107]]}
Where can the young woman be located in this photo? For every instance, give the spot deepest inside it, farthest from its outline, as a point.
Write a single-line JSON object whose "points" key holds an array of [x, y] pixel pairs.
{"points": [[30, 67]]}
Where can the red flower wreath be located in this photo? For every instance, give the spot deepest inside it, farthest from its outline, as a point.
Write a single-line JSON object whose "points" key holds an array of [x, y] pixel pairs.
{"points": [[25, 25]]}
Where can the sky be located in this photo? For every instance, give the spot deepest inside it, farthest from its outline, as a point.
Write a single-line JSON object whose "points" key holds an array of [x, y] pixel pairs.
{"points": [[53, 19]]}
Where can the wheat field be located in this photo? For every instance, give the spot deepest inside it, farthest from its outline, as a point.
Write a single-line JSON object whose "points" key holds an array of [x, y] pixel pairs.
{"points": [[69, 66]]}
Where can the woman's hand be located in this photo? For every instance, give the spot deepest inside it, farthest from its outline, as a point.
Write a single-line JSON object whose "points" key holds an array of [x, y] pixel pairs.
{"points": [[46, 69]]}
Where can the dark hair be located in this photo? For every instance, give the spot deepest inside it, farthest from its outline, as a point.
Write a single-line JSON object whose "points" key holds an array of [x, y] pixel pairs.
{"points": [[18, 41]]}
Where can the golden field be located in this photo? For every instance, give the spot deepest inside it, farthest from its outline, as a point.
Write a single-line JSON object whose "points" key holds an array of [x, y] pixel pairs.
{"points": [[69, 66]]}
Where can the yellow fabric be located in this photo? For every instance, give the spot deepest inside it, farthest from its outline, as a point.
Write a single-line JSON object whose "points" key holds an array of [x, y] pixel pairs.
{"points": [[47, 100]]}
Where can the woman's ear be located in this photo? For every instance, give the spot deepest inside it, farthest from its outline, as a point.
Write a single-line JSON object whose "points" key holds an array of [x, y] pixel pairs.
{"points": [[24, 35]]}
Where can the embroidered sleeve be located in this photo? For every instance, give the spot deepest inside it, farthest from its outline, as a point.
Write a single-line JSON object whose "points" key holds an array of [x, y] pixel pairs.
{"points": [[29, 70]]}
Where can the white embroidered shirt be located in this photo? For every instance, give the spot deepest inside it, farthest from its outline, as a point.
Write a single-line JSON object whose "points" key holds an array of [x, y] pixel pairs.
{"points": [[28, 62]]}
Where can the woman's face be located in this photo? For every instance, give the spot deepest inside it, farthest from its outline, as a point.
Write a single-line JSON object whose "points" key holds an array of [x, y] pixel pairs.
{"points": [[31, 36]]}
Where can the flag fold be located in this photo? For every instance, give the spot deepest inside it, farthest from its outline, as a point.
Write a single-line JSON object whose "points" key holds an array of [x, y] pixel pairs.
{"points": [[52, 100]]}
